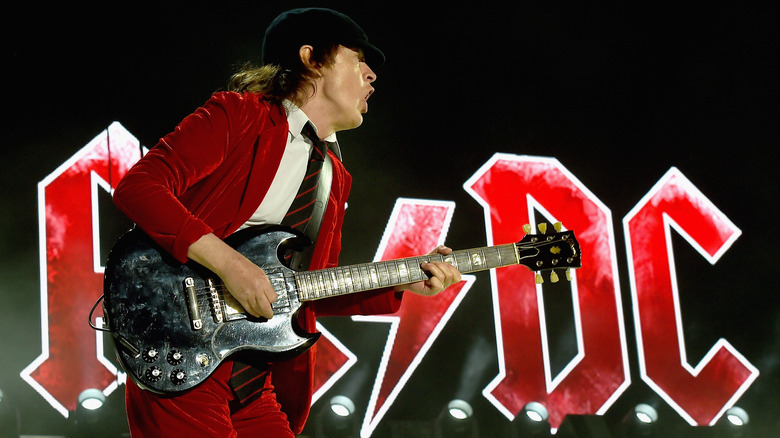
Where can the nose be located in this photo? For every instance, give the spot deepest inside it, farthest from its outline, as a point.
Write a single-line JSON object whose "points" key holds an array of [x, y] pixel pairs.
{"points": [[368, 73]]}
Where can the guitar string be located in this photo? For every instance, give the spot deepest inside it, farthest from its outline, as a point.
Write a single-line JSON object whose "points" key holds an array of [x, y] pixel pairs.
{"points": [[206, 291], [369, 273]]}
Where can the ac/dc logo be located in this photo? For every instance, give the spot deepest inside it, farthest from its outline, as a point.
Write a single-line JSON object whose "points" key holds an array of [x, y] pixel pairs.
{"points": [[510, 188]]}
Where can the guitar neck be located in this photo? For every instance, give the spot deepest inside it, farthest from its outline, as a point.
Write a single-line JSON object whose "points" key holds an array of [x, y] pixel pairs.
{"points": [[342, 280]]}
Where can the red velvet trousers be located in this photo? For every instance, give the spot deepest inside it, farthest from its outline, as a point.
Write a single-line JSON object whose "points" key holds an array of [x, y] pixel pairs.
{"points": [[208, 411]]}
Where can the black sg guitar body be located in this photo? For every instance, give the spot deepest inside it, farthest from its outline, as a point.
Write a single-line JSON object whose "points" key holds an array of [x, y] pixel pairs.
{"points": [[174, 323]]}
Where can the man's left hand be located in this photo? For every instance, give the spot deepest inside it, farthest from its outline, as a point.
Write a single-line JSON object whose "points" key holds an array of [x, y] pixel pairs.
{"points": [[441, 275]]}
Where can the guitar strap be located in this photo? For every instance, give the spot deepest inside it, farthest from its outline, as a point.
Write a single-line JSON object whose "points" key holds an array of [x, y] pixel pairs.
{"points": [[247, 376], [301, 260]]}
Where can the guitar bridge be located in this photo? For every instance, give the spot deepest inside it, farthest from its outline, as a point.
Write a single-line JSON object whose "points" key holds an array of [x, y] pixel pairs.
{"points": [[216, 306]]}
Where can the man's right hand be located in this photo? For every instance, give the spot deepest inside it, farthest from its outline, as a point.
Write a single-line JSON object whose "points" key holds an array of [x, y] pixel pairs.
{"points": [[245, 280]]}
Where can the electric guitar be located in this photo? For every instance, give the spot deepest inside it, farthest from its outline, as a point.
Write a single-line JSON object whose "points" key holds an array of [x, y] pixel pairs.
{"points": [[174, 323]]}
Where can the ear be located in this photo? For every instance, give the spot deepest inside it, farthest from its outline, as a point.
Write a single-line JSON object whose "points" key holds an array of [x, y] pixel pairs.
{"points": [[305, 54]]}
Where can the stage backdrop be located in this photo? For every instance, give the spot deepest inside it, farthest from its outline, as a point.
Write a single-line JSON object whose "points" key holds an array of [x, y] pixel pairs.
{"points": [[643, 131]]}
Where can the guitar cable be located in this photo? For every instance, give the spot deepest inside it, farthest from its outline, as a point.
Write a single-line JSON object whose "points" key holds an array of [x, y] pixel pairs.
{"points": [[132, 349]]}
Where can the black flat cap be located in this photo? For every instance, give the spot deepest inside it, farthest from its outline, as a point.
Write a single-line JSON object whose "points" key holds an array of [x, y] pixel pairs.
{"points": [[314, 26]]}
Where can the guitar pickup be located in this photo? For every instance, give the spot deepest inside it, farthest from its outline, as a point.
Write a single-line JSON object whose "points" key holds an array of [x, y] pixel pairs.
{"points": [[216, 306], [192, 303]]}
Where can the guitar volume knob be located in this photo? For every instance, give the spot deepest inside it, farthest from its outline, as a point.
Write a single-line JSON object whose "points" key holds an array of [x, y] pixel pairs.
{"points": [[178, 377], [151, 354], [153, 374], [175, 357]]}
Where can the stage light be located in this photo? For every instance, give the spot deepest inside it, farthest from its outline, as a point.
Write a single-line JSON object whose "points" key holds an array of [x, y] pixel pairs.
{"points": [[641, 421], [532, 421], [88, 420], [342, 406], [536, 412], [737, 416], [337, 419], [456, 421], [645, 413], [734, 424], [92, 399], [459, 409]]}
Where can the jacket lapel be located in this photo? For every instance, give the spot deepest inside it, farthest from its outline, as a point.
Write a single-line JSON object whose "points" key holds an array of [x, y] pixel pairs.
{"points": [[267, 153]]}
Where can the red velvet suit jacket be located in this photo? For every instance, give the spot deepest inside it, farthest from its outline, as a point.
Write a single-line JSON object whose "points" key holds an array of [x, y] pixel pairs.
{"points": [[209, 175]]}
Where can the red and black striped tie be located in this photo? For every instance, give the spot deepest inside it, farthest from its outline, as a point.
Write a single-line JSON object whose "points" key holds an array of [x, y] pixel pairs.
{"points": [[300, 211], [248, 381]]}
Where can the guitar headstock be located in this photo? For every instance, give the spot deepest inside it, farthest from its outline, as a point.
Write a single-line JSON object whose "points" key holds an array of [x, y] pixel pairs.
{"points": [[550, 250]]}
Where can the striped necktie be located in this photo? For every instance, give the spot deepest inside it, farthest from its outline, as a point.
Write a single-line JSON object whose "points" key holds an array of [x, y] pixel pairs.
{"points": [[300, 211], [248, 381]]}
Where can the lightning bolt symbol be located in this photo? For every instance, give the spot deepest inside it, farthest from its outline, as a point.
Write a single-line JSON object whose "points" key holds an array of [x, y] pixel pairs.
{"points": [[414, 228]]}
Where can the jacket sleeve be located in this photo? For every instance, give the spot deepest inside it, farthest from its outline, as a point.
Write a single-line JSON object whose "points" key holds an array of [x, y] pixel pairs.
{"points": [[375, 302], [149, 193]]}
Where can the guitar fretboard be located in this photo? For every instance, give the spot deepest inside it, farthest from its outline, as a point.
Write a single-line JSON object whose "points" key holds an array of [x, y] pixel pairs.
{"points": [[313, 285]]}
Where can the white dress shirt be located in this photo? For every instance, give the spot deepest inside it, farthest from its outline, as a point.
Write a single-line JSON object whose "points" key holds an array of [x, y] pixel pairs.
{"points": [[291, 171]]}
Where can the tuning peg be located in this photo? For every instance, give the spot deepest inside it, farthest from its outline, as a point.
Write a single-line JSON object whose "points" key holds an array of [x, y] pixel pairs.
{"points": [[527, 228], [558, 227], [553, 277], [539, 278], [542, 227], [568, 274]]}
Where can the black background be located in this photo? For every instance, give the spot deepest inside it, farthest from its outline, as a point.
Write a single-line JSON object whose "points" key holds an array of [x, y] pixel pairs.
{"points": [[617, 94]]}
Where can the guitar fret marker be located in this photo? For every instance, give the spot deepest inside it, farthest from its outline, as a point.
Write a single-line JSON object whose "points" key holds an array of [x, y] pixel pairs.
{"points": [[340, 281], [402, 270], [451, 260], [374, 276], [321, 285], [392, 272], [334, 283], [348, 280], [310, 284]]}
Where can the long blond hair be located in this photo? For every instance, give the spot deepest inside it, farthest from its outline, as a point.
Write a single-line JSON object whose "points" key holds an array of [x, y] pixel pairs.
{"points": [[277, 83]]}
